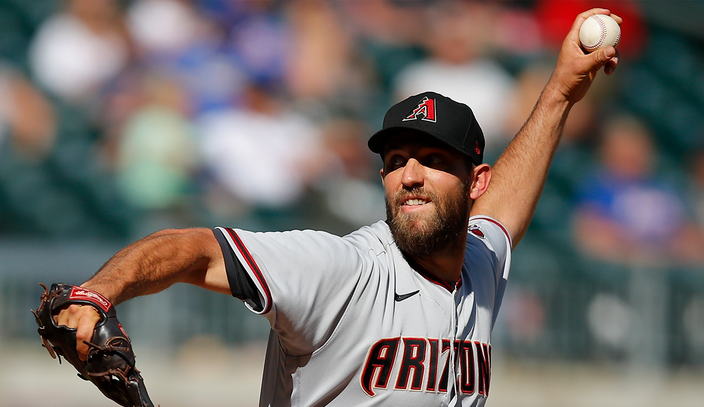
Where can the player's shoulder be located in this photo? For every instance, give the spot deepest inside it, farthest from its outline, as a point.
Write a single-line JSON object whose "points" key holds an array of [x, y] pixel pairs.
{"points": [[375, 237], [489, 232]]}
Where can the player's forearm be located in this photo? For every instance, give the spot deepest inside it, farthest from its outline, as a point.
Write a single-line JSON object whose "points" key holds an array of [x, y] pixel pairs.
{"points": [[518, 176], [160, 260]]}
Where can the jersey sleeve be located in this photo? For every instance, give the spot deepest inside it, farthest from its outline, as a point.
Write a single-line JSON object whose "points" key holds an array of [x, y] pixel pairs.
{"points": [[489, 251], [305, 280], [241, 284]]}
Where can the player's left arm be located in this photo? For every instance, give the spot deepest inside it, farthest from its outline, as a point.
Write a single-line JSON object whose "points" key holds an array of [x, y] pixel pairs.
{"points": [[154, 263], [148, 266], [518, 176]]}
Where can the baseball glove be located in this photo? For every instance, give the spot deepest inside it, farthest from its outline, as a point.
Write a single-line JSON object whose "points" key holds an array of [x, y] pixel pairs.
{"points": [[111, 362]]}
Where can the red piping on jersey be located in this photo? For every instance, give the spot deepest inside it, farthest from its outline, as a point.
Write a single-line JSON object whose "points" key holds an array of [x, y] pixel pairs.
{"points": [[430, 276], [495, 222], [253, 266]]}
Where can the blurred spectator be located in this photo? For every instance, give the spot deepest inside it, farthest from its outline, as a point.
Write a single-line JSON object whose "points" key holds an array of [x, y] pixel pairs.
{"points": [[625, 212], [163, 27], [697, 186], [262, 154], [27, 137], [50, 183], [156, 153], [580, 125], [458, 67], [524, 316], [694, 247], [75, 52], [579, 132], [27, 122], [517, 30], [175, 40], [321, 51], [350, 186], [387, 21], [388, 33], [610, 319], [261, 41]]}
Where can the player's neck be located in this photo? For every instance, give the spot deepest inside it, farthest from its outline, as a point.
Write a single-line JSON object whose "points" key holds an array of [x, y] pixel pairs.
{"points": [[445, 269], [445, 264]]}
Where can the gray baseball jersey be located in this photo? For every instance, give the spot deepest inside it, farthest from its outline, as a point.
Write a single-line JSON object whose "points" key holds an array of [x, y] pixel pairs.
{"points": [[355, 324]]}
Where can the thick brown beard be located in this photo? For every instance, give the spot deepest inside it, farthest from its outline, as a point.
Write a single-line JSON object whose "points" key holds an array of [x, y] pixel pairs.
{"points": [[439, 232]]}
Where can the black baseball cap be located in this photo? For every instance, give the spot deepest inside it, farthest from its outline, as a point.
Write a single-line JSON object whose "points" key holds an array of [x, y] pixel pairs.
{"points": [[438, 116]]}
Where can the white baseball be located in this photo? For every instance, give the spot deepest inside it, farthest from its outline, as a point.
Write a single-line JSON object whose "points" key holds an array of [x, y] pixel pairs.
{"points": [[599, 31]]}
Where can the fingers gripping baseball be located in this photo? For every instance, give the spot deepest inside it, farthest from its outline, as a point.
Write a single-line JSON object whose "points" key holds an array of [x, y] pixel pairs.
{"points": [[575, 69], [608, 58]]}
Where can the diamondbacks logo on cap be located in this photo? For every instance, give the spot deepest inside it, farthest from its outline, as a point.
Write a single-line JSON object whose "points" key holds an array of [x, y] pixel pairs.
{"points": [[425, 111]]}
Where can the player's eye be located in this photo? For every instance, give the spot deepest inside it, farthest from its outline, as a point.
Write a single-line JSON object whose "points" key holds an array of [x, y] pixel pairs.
{"points": [[395, 161], [435, 161]]}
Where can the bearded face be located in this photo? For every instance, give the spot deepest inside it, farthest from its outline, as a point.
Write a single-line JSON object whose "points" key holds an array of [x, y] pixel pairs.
{"points": [[423, 233]]}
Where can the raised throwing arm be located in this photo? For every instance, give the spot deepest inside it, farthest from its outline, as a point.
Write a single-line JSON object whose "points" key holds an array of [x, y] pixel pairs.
{"points": [[518, 176]]}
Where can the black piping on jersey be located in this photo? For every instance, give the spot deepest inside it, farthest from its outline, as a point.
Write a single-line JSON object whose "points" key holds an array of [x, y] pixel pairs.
{"points": [[241, 284]]}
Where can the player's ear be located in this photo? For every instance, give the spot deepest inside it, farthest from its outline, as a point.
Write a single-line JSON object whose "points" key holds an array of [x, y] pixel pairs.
{"points": [[481, 176], [381, 172]]}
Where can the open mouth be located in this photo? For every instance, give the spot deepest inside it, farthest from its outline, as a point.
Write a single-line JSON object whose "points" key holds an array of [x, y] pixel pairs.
{"points": [[414, 202]]}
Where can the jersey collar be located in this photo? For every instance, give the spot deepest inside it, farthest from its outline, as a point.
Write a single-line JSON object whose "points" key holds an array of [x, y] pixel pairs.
{"points": [[430, 276]]}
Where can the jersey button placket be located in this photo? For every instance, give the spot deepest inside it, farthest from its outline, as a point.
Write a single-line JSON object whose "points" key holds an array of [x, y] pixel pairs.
{"points": [[455, 372]]}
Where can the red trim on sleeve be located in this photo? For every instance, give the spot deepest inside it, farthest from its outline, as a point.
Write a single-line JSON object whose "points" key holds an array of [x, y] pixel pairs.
{"points": [[253, 266], [494, 221]]}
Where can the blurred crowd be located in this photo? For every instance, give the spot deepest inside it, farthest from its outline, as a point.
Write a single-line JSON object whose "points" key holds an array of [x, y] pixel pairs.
{"points": [[118, 118], [122, 117]]}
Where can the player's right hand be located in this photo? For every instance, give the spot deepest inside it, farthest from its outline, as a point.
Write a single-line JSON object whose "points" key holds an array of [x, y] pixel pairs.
{"points": [[575, 70], [83, 318]]}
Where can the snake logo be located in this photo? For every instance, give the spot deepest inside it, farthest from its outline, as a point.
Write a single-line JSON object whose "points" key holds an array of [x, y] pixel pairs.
{"points": [[425, 111]]}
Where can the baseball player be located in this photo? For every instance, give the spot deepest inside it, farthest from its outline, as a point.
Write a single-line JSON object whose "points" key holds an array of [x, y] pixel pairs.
{"points": [[399, 312]]}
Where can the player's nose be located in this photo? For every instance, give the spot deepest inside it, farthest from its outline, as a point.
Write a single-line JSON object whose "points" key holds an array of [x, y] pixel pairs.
{"points": [[413, 174]]}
